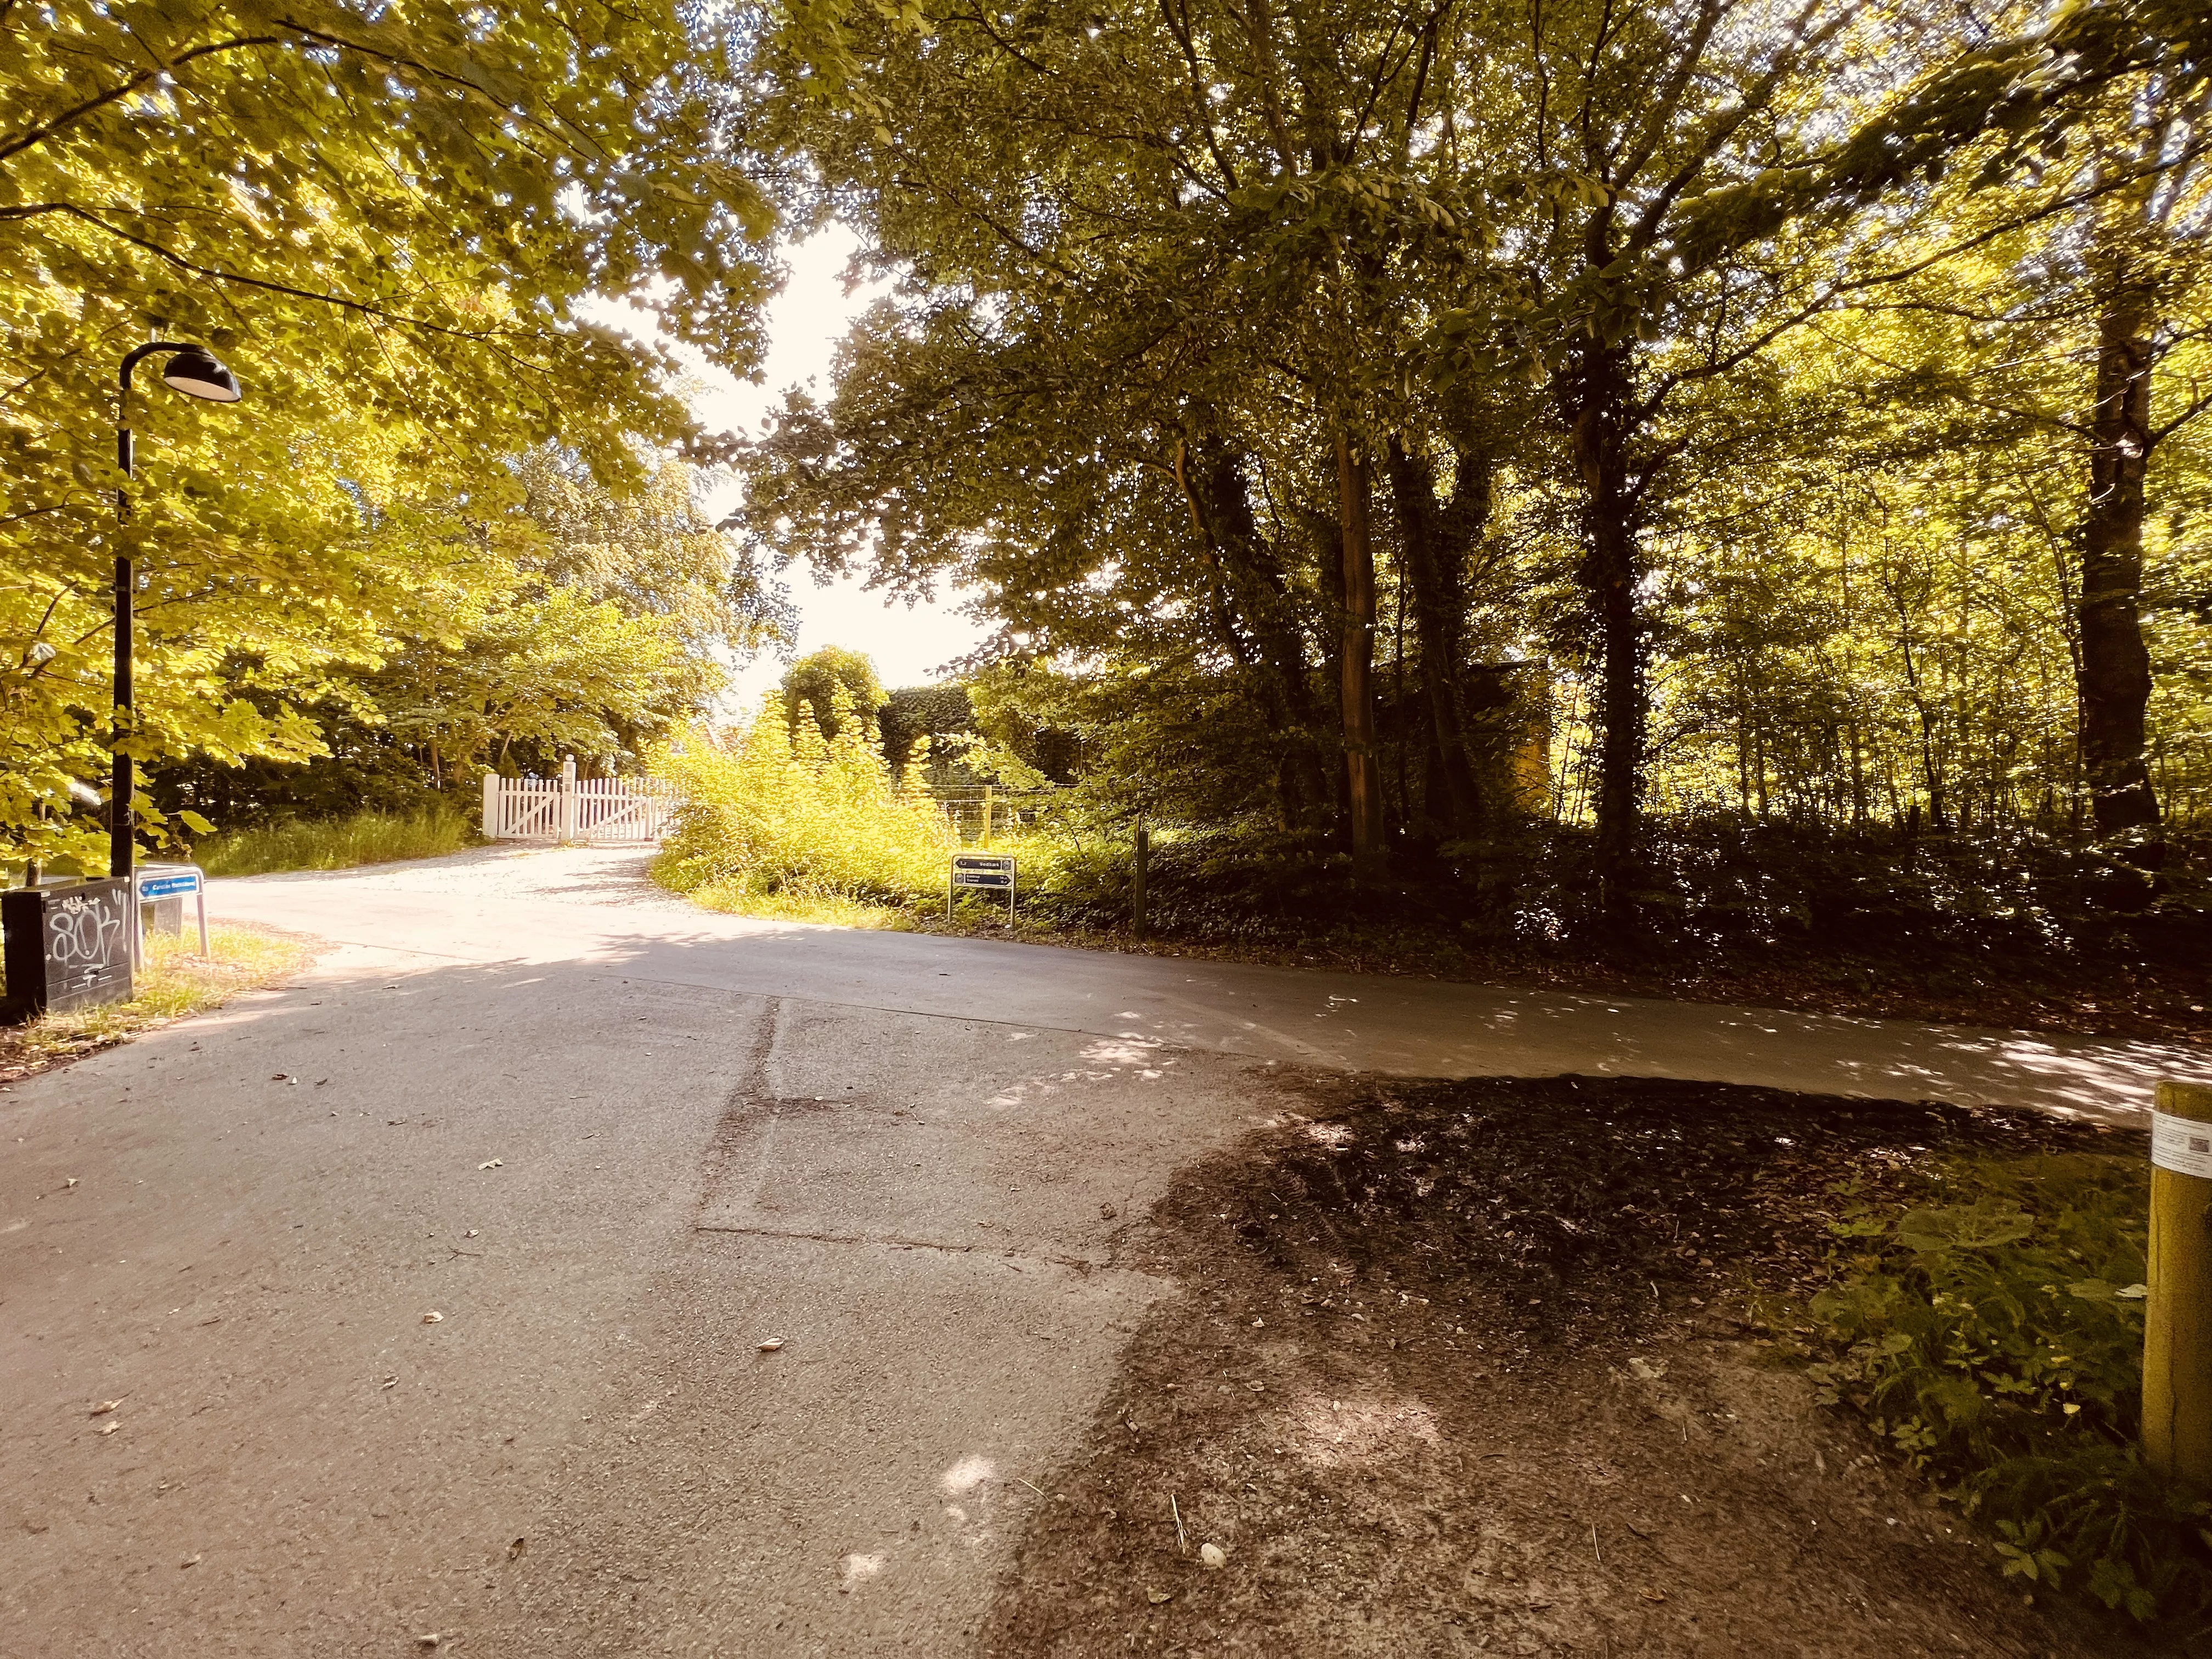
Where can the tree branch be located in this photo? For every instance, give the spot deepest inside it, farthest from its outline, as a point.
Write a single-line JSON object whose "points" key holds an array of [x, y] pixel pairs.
{"points": [[45, 130]]}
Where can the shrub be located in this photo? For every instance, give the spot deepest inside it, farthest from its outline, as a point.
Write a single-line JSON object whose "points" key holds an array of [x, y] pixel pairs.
{"points": [[779, 811], [1994, 1337]]}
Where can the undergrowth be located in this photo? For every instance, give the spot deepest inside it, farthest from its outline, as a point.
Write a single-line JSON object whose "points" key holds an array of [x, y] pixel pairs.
{"points": [[365, 837], [1991, 1334], [780, 820]]}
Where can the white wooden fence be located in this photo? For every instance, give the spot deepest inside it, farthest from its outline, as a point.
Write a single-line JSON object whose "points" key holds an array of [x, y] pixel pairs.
{"points": [[594, 812]]}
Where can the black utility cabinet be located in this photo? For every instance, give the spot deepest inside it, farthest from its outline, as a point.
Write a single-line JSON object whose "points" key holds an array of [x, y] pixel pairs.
{"points": [[67, 946]]}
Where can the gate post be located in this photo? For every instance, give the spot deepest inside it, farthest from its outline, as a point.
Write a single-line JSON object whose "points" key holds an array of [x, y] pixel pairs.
{"points": [[491, 823], [568, 798]]}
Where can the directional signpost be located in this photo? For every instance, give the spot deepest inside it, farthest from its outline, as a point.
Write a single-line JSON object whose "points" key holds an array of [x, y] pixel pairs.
{"points": [[991, 872], [168, 884]]}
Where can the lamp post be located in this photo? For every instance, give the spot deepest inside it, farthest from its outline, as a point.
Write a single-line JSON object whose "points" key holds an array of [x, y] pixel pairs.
{"points": [[198, 372]]}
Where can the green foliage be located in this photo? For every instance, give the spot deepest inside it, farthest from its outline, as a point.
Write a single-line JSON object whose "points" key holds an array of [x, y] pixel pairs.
{"points": [[568, 618], [369, 837], [1840, 386], [1992, 1335], [772, 812], [832, 684], [929, 721], [399, 224]]}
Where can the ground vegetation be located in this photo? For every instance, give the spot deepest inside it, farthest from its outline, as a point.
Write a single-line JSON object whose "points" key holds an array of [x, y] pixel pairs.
{"points": [[368, 836], [175, 982]]}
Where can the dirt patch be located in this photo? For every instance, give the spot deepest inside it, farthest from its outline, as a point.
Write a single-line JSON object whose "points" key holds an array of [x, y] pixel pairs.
{"points": [[1458, 1369]]}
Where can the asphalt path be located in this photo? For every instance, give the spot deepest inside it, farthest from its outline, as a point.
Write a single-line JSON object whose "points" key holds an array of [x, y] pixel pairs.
{"points": [[617, 1144]]}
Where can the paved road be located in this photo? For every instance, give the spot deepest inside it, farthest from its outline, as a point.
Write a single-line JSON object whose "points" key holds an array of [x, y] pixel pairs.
{"points": [[616, 1144]]}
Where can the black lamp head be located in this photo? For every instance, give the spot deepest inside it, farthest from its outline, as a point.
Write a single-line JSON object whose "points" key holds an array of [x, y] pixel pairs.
{"points": [[198, 372]]}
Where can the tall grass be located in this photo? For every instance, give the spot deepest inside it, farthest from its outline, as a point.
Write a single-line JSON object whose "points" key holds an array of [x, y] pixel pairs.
{"points": [[367, 837], [782, 823]]}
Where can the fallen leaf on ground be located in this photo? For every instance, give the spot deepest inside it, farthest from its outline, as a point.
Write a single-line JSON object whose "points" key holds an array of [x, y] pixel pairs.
{"points": [[107, 1428], [1212, 1556], [1654, 1596], [188, 1561], [769, 1344], [515, 1550], [1108, 1211], [489, 1163], [1156, 1596], [105, 1407], [432, 1318]]}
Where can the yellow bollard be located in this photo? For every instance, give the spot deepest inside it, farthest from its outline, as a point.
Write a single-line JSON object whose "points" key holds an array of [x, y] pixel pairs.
{"points": [[2177, 1432]]}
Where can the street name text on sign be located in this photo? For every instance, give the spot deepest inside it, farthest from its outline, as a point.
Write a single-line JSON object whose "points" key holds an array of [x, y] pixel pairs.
{"points": [[158, 881]]}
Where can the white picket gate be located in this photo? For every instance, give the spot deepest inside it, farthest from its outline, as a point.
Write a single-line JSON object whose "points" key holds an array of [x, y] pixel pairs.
{"points": [[594, 812]]}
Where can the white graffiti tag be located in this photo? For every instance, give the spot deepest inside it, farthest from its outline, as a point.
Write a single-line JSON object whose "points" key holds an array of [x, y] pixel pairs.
{"points": [[79, 933]]}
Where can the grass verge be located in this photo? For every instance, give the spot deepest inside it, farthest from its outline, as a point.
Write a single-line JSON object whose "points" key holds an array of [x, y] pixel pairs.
{"points": [[336, 843], [2144, 1005], [175, 983], [827, 909]]}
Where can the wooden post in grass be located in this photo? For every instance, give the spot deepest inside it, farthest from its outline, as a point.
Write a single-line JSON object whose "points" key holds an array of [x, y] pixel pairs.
{"points": [[2177, 1431]]}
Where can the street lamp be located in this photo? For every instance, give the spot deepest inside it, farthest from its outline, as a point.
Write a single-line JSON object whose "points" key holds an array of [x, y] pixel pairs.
{"points": [[198, 372]]}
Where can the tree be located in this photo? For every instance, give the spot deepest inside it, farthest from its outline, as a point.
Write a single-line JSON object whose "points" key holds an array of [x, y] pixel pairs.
{"points": [[2086, 337], [832, 685], [391, 222], [2145, 260], [557, 618], [1176, 282]]}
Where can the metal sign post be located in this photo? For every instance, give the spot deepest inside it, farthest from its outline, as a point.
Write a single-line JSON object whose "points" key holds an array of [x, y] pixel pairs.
{"points": [[167, 881], [991, 871]]}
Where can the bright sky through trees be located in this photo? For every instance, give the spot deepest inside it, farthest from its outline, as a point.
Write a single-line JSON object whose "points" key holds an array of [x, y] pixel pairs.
{"points": [[909, 645]]}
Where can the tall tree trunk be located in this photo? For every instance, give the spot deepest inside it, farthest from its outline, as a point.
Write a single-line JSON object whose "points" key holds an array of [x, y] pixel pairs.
{"points": [[1362, 775], [1432, 569], [1598, 409], [1212, 475], [2115, 667]]}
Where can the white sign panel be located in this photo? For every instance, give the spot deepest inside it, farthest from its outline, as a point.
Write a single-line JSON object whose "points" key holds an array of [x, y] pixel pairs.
{"points": [[2182, 1144]]}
